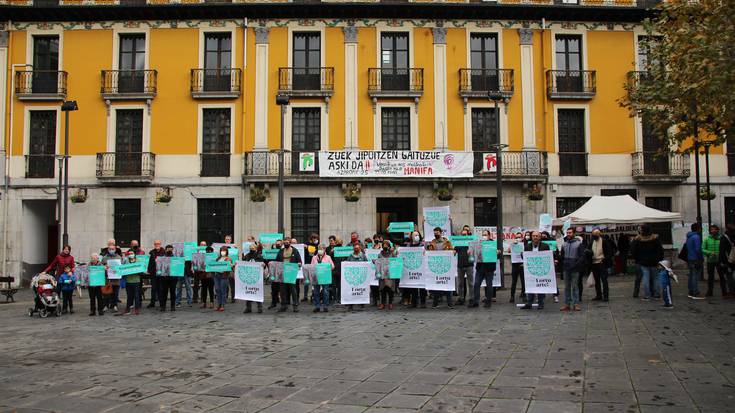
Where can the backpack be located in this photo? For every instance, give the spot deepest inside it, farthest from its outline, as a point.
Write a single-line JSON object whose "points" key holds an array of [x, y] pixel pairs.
{"points": [[731, 254], [684, 254]]}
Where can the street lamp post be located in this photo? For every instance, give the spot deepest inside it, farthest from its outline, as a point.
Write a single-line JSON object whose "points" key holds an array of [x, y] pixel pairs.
{"points": [[66, 107], [706, 168], [497, 97], [59, 198], [282, 101]]}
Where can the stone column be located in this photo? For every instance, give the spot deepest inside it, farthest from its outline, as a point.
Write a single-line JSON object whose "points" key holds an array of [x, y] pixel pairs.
{"points": [[351, 127], [528, 90], [440, 88], [261, 88]]}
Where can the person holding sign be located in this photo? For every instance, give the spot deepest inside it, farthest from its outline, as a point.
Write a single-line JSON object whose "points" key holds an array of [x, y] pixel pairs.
{"points": [[207, 282], [516, 259], [465, 270], [535, 245], [289, 292], [440, 243], [96, 305], [132, 287], [166, 283], [386, 285], [110, 259], [357, 255], [156, 252], [573, 262], [270, 254], [253, 256], [321, 287], [222, 279], [412, 296], [487, 258]]}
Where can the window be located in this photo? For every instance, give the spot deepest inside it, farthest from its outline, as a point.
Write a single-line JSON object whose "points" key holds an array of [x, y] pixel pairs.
{"points": [[41, 144], [729, 210], [572, 151], [217, 61], [128, 142], [215, 219], [486, 212], [304, 218], [126, 225], [394, 61], [565, 206], [306, 136], [306, 60], [655, 150], [131, 78], [216, 128], [663, 229], [45, 64], [395, 129], [484, 61], [645, 45], [484, 134], [730, 148], [569, 61], [616, 192]]}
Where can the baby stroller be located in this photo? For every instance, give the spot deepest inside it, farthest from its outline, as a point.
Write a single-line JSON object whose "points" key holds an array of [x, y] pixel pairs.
{"points": [[45, 296]]}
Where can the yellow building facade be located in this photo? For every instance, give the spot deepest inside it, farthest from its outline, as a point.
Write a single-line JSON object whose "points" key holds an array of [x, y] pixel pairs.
{"points": [[177, 131]]}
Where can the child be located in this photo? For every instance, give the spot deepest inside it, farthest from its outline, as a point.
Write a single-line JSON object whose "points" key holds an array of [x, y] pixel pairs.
{"points": [[664, 274], [68, 283]]}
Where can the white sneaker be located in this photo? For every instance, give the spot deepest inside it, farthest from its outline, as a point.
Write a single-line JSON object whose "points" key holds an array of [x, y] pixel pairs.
{"points": [[556, 299]]}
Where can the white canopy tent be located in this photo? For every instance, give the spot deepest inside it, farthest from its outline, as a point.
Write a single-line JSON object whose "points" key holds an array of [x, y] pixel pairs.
{"points": [[620, 209]]}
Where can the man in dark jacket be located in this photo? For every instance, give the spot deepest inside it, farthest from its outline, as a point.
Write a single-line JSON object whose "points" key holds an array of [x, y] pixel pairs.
{"points": [[289, 292], [156, 252], [600, 251], [465, 272], [647, 251], [695, 260], [726, 245], [535, 245], [573, 263]]}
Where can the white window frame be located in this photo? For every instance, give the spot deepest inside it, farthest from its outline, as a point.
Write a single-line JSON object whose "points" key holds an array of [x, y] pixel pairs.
{"points": [[502, 118], [556, 32], [324, 123], [200, 124], [386, 29], [233, 43], [586, 108], [116, 32], [27, 127], [33, 32], [322, 43], [378, 124], [498, 32], [112, 131]]}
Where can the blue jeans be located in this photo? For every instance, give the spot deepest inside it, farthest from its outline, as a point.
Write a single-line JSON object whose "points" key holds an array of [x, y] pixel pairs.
{"points": [[321, 296], [221, 284], [648, 274], [186, 283], [571, 287], [663, 279], [695, 273]]}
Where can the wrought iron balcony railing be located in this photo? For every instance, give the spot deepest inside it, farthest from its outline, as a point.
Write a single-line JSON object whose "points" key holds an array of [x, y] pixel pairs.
{"points": [[40, 84], [481, 82], [306, 81], [215, 83], [401, 82], [40, 165], [571, 84], [129, 84], [660, 166], [132, 166], [214, 164], [515, 163]]}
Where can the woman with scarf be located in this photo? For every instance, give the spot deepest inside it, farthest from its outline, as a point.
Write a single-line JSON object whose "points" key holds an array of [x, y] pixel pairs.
{"points": [[321, 291]]}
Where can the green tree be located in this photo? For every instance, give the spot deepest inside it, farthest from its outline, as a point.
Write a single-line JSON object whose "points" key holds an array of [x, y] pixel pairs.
{"points": [[686, 86]]}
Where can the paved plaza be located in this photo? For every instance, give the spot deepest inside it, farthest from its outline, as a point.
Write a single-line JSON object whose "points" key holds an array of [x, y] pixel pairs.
{"points": [[623, 356]]}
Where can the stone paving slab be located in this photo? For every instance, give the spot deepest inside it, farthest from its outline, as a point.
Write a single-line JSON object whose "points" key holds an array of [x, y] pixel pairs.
{"points": [[624, 356]]}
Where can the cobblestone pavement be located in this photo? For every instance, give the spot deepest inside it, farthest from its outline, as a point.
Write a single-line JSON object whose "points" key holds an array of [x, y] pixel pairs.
{"points": [[625, 356]]}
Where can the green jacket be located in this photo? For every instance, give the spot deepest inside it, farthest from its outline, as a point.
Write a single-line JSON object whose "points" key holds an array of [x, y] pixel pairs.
{"points": [[711, 248]]}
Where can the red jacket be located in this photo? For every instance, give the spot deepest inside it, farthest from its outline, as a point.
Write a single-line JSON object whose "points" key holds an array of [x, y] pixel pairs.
{"points": [[59, 263]]}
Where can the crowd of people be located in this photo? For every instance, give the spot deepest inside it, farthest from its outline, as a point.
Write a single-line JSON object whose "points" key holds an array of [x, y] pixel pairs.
{"points": [[575, 258]]}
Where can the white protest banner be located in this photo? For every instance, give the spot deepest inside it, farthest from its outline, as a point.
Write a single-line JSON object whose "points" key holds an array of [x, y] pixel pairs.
{"points": [[356, 279], [306, 161], [440, 270], [516, 253], [437, 217], [508, 235], [394, 164], [538, 272], [489, 162], [413, 260], [249, 281], [300, 249]]}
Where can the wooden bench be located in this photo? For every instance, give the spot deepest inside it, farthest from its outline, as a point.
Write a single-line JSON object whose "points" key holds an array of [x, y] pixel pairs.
{"points": [[8, 292]]}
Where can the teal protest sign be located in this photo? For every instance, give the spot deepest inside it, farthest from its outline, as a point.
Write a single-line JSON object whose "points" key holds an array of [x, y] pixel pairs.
{"points": [[324, 273], [233, 252], [462, 240], [210, 257], [218, 266], [130, 269], [270, 254], [143, 259], [176, 268], [489, 251], [290, 272], [395, 268], [342, 252], [269, 237], [566, 226], [400, 227], [96, 275], [551, 244], [189, 248]]}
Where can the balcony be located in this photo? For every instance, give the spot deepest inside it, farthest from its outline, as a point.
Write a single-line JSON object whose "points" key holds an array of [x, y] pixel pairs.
{"points": [[572, 164], [478, 83], [730, 164], [40, 165], [126, 167], [571, 84], [215, 83], [306, 81], [396, 83], [40, 85], [129, 84], [517, 165], [214, 164], [657, 167]]}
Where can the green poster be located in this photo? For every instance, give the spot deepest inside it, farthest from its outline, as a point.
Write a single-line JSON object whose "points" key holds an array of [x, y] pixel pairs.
{"points": [[342, 252], [143, 259], [96, 276], [489, 251], [324, 273], [210, 257], [189, 248], [395, 267], [551, 244], [462, 240], [233, 253], [129, 269], [176, 268], [400, 227], [290, 272], [270, 254], [269, 237], [218, 266]]}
